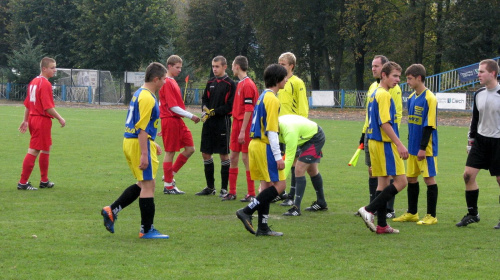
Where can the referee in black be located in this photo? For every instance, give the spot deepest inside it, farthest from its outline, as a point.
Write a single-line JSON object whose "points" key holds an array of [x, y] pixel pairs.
{"points": [[217, 104]]}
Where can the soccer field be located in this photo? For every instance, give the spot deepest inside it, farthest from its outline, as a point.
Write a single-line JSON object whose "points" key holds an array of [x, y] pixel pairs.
{"points": [[58, 233]]}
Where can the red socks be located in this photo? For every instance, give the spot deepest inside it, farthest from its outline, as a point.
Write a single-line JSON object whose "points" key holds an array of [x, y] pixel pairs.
{"points": [[179, 163], [250, 184], [167, 172], [233, 176], [28, 164], [43, 161]]}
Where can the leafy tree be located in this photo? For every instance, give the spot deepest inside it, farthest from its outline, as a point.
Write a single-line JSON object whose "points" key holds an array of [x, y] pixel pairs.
{"points": [[25, 62], [119, 35], [51, 22], [216, 27], [4, 42], [472, 32]]}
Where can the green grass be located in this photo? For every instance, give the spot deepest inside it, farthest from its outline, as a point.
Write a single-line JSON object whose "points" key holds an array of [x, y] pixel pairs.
{"points": [[207, 240]]}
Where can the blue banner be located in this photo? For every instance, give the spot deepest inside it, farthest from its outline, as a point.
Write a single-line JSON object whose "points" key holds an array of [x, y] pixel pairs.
{"points": [[468, 73]]}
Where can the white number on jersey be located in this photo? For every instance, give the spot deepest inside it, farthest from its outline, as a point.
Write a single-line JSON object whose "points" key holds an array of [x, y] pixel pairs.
{"points": [[130, 114], [32, 91]]}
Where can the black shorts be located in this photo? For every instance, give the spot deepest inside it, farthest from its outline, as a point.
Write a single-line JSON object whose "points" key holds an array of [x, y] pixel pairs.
{"points": [[368, 160], [311, 152], [485, 154], [215, 135]]}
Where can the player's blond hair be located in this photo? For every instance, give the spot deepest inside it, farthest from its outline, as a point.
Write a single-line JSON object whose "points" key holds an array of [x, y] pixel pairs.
{"points": [[290, 58], [46, 61], [173, 60]]}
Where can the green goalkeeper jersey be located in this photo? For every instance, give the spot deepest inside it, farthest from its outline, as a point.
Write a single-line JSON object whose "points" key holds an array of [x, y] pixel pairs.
{"points": [[294, 132]]}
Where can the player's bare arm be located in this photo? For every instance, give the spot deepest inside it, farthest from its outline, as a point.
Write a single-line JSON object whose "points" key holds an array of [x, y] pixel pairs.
{"points": [[55, 114]]}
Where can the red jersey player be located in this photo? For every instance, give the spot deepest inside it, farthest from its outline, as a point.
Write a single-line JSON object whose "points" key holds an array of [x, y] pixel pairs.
{"points": [[244, 101], [174, 131], [38, 115]]}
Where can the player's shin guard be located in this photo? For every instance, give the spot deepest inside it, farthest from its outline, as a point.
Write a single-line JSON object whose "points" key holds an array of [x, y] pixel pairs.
{"points": [[43, 162], [432, 197], [381, 213], [250, 184], [413, 191], [28, 164], [224, 173], [293, 182], [263, 216], [390, 203], [147, 206], [382, 198], [372, 187], [128, 196], [317, 182], [265, 197], [300, 184], [209, 172], [167, 172], [233, 177], [179, 163]]}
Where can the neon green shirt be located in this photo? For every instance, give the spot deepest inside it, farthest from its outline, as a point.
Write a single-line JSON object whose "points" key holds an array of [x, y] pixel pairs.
{"points": [[294, 131], [293, 98]]}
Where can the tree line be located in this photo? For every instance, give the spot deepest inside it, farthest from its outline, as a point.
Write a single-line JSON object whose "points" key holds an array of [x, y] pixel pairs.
{"points": [[334, 40]]}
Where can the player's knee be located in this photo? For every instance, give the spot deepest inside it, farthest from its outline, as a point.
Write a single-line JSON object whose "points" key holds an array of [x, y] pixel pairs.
{"points": [[467, 177]]}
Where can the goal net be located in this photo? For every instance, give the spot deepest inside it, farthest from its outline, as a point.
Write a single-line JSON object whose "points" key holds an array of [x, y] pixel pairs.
{"points": [[85, 85]]}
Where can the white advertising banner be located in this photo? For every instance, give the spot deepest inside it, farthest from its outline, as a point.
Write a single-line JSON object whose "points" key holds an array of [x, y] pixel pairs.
{"points": [[322, 98], [455, 101], [136, 78]]}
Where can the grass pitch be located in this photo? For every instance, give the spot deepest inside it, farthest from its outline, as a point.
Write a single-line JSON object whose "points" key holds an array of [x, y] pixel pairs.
{"points": [[58, 233]]}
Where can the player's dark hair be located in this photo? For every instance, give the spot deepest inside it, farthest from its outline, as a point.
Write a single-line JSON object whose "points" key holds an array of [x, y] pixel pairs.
{"points": [[416, 70], [389, 67], [173, 60], [491, 65], [155, 69], [46, 61], [274, 74], [383, 59], [220, 58], [242, 61]]}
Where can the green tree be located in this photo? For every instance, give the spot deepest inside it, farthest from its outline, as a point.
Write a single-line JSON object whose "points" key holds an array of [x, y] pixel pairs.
{"points": [[472, 32], [217, 27], [25, 62], [122, 35], [51, 22], [4, 42]]}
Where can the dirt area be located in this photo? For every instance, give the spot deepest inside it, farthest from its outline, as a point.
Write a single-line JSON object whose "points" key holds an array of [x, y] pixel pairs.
{"points": [[447, 118]]}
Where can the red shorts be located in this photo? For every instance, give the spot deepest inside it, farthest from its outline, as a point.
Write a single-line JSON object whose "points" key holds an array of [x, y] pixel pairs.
{"points": [[235, 132], [40, 130], [176, 134]]}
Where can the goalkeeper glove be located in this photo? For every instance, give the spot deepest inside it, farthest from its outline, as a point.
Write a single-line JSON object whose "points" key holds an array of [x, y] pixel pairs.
{"points": [[207, 114], [469, 144]]}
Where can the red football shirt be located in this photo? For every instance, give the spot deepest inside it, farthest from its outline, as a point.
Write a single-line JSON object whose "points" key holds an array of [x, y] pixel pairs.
{"points": [[170, 96], [245, 98], [39, 97]]}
